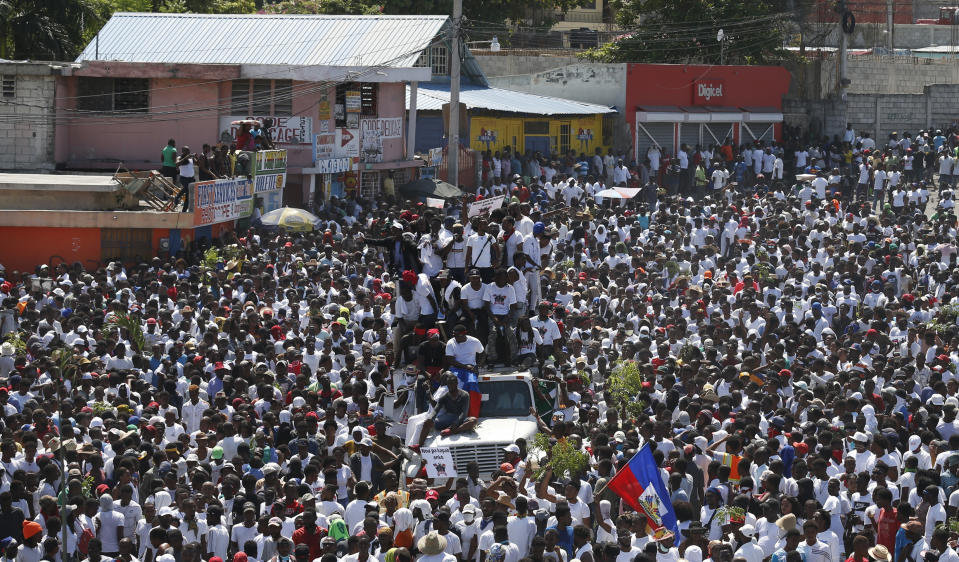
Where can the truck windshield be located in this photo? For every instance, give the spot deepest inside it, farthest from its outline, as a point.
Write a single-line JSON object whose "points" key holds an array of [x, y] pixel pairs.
{"points": [[504, 399]]}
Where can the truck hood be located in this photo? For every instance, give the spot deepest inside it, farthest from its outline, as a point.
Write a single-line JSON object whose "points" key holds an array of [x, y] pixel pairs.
{"points": [[489, 430]]}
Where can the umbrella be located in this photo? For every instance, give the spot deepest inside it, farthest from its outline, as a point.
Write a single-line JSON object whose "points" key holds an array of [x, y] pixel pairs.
{"points": [[290, 218], [609, 194], [430, 188], [246, 122]]}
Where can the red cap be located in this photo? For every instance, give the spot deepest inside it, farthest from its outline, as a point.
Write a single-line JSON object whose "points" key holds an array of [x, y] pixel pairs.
{"points": [[288, 245], [507, 468], [582, 275], [432, 495], [151, 320], [102, 489], [218, 365]]}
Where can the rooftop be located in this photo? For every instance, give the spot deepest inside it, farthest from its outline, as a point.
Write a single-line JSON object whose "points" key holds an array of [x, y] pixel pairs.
{"points": [[296, 40], [431, 97]]}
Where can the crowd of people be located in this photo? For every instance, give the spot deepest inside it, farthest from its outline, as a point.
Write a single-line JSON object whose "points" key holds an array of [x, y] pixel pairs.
{"points": [[797, 353]]}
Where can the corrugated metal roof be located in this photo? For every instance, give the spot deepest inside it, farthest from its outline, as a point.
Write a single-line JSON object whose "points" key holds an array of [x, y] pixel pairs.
{"points": [[431, 97], [310, 40]]}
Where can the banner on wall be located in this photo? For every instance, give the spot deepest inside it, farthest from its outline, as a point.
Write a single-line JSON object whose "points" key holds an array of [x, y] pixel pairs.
{"points": [[268, 182], [285, 130], [323, 146], [347, 143], [270, 161], [217, 201], [372, 139]]}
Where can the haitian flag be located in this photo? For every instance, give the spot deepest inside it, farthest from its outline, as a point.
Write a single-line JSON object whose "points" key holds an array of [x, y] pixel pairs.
{"points": [[640, 485], [470, 384]]}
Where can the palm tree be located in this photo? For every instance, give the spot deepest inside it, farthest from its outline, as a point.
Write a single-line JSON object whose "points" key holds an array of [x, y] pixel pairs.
{"points": [[43, 29]]}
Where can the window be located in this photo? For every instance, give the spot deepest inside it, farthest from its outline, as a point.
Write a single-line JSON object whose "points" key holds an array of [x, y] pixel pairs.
{"points": [[609, 124], [262, 98], [370, 185], [536, 127], [240, 97], [368, 99], [564, 138], [9, 85], [128, 95], [437, 58]]}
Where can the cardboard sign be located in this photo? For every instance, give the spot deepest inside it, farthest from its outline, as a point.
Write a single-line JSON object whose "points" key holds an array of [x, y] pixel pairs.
{"points": [[217, 201], [484, 206], [439, 462]]}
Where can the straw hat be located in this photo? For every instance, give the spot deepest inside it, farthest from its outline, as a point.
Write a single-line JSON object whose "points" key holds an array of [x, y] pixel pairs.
{"points": [[433, 543], [880, 553]]}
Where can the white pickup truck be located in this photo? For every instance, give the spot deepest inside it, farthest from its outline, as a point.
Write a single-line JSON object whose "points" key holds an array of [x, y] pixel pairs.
{"points": [[504, 417]]}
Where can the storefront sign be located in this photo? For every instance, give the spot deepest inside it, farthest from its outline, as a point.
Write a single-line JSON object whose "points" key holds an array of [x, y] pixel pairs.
{"points": [[268, 182], [372, 140], [268, 161], [285, 130], [708, 92], [217, 201], [347, 143], [323, 146], [354, 101], [391, 128], [334, 165]]}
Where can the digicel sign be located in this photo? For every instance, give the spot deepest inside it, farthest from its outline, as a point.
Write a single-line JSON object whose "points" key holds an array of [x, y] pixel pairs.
{"points": [[708, 92]]}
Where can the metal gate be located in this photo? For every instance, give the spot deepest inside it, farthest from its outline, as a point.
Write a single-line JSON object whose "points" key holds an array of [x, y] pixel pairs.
{"points": [[716, 133], [690, 135], [467, 166], [660, 134], [761, 131]]}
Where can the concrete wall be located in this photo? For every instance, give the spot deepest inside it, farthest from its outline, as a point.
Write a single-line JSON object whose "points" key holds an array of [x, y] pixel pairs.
{"points": [[873, 74], [905, 36], [26, 142], [505, 64]]}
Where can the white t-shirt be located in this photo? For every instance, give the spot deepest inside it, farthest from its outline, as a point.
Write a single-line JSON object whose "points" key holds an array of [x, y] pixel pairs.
{"points": [[109, 522], [500, 299], [481, 254], [464, 352]]}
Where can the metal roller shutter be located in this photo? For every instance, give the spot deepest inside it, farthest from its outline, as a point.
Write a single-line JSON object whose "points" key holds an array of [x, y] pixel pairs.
{"points": [[689, 134], [759, 131], [716, 133], [661, 133]]}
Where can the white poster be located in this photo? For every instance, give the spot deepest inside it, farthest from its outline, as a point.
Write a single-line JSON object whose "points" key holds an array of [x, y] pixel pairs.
{"points": [[439, 462], [347, 144], [435, 203], [285, 130], [372, 139], [323, 146], [484, 206]]}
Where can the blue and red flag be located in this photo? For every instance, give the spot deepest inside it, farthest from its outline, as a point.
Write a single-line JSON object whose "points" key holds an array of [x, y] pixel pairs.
{"points": [[470, 384], [640, 485]]}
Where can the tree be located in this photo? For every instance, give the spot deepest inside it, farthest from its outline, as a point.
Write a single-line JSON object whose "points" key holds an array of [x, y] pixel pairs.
{"points": [[685, 31], [43, 29]]}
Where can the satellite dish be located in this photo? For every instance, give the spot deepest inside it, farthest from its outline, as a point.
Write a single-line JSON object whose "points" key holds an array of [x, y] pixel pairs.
{"points": [[720, 35]]}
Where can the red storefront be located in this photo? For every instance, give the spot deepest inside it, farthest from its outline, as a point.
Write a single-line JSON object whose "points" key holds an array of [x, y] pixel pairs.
{"points": [[673, 104]]}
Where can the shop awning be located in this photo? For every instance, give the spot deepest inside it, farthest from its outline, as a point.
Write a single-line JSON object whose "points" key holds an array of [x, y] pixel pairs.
{"points": [[725, 114], [660, 114], [762, 115], [696, 114]]}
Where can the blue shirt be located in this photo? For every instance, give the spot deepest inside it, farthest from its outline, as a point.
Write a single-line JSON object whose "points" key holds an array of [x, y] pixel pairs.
{"points": [[565, 540]]}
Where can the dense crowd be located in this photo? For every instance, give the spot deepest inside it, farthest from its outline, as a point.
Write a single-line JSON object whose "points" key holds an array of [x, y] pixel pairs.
{"points": [[796, 343]]}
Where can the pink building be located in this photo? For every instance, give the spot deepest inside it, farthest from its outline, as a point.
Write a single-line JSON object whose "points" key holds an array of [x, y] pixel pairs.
{"points": [[334, 87]]}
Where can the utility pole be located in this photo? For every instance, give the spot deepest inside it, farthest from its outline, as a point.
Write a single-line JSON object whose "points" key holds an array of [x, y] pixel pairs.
{"points": [[890, 42], [843, 52], [453, 146]]}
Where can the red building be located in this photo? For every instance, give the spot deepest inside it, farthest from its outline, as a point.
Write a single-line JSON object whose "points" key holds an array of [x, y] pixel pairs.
{"points": [[672, 104]]}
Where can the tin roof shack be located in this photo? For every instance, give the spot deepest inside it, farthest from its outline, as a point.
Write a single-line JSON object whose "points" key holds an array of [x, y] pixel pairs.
{"points": [[147, 78]]}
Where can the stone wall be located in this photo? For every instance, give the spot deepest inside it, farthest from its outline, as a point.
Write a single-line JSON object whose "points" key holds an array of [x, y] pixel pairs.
{"points": [[27, 134], [508, 64], [873, 35], [874, 74]]}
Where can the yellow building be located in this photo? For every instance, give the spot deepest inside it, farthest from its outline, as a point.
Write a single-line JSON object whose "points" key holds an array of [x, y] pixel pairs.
{"points": [[528, 123]]}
